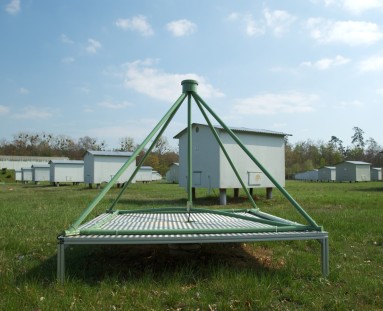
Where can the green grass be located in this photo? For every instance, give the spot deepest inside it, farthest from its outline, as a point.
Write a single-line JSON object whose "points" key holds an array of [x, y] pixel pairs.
{"points": [[252, 276]]}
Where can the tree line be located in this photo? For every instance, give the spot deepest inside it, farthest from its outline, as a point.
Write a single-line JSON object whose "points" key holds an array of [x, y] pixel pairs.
{"points": [[308, 155], [299, 157]]}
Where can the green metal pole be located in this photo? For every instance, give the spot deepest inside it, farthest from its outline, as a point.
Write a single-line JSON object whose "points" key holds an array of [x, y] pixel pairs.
{"points": [[144, 157], [226, 154], [190, 164], [275, 229], [261, 167], [109, 185]]}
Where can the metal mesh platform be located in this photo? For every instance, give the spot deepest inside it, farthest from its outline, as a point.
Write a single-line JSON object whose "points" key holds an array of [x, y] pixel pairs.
{"points": [[196, 230]]}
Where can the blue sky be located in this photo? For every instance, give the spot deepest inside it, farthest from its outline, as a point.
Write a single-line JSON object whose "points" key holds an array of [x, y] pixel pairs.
{"points": [[111, 69]]}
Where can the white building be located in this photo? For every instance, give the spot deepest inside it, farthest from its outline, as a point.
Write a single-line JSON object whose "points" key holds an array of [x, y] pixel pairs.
{"points": [[156, 176], [17, 162], [327, 173], [172, 175], [71, 171], [353, 171], [40, 172], [144, 174], [26, 174], [101, 166], [18, 175], [376, 173], [211, 168]]}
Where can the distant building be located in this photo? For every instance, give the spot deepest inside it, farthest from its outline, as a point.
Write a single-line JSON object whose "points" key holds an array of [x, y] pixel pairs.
{"points": [[353, 171], [144, 174], [70, 171], [26, 174], [101, 166], [156, 176], [327, 173], [17, 162], [376, 173], [40, 172], [172, 174]]}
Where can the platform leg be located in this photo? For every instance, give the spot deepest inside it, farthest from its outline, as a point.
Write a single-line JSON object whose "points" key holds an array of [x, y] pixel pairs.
{"points": [[222, 196], [60, 262], [325, 261]]}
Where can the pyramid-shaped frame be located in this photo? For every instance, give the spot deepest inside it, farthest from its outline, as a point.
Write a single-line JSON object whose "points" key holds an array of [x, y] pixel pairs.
{"points": [[188, 224]]}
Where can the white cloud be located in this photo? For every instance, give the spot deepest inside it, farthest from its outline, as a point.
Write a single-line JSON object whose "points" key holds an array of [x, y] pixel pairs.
{"points": [[253, 28], [273, 103], [13, 7], [326, 63], [355, 6], [112, 105], [347, 32], [279, 21], [136, 23], [374, 63], [3, 110], [93, 46], [33, 113], [379, 91], [68, 60], [65, 39], [181, 27], [145, 78], [350, 104], [23, 90]]}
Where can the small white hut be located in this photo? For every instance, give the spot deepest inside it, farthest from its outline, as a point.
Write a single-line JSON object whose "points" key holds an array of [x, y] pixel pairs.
{"points": [[353, 171], [156, 176], [376, 173], [40, 172], [18, 175], [211, 168], [101, 166], [172, 175], [71, 171], [327, 173], [26, 174], [144, 174]]}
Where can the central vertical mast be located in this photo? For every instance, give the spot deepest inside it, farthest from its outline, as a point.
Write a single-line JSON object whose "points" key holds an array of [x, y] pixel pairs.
{"points": [[189, 86]]}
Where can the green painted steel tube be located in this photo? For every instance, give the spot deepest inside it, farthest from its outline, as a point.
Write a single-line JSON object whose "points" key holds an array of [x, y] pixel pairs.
{"points": [[194, 231], [226, 154], [190, 164], [109, 185], [147, 153], [261, 167]]}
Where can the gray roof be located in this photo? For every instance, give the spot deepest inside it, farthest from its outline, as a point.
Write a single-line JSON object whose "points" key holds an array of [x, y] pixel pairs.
{"points": [[237, 129], [67, 162], [30, 158], [111, 153], [358, 162]]}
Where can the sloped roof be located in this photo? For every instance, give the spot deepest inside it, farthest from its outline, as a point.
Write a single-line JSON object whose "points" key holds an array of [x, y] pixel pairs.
{"points": [[237, 129], [111, 153]]}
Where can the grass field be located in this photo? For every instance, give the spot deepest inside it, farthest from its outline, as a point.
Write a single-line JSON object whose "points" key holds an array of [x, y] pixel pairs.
{"points": [[260, 276]]}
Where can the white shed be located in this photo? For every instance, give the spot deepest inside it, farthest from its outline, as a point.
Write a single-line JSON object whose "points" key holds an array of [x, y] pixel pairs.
{"points": [[18, 175], [144, 174], [376, 173], [26, 174], [211, 168], [101, 166], [327, 173], [313, 175], [17, 162], [40, 172], [172, 175], [353, 171], [66, 171], [156, 175]]}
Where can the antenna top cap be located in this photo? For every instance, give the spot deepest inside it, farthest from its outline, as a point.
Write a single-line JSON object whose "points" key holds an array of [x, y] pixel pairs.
{"points": [[189, 86]]}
